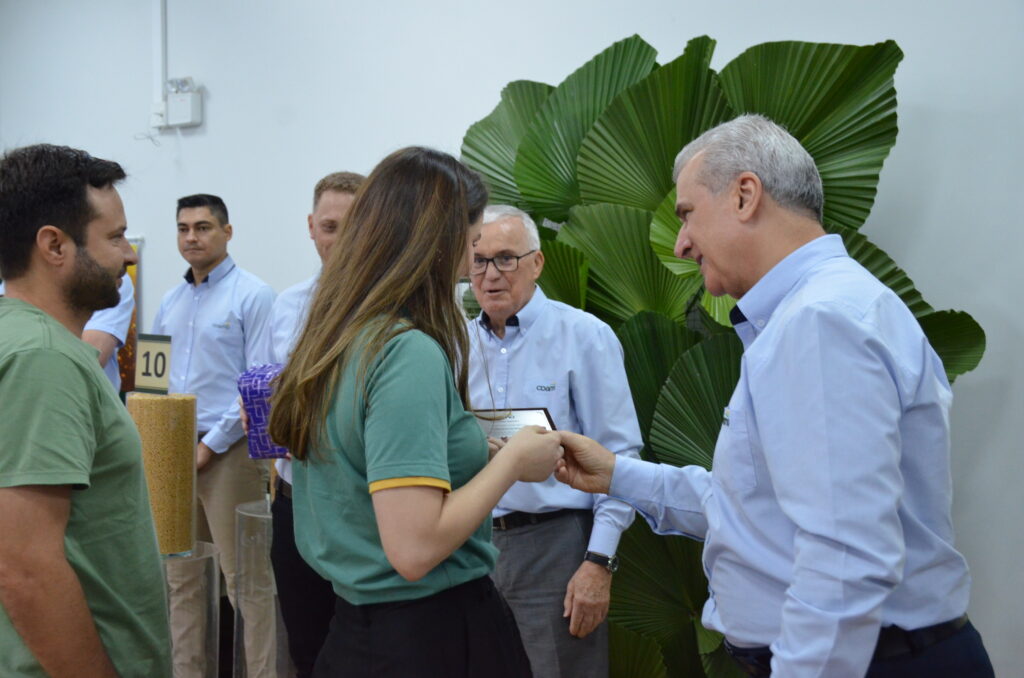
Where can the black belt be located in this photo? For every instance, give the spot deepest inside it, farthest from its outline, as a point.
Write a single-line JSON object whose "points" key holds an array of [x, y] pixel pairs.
{"points": [[892, 642], [284, 488], [510, 521]]}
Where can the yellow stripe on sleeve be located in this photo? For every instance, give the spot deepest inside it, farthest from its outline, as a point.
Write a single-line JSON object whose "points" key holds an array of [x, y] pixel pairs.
{"points": [[411, 481]]}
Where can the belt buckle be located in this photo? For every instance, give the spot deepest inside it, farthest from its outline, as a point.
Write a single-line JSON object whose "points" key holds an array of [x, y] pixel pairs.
{"points": [[501, 523]]}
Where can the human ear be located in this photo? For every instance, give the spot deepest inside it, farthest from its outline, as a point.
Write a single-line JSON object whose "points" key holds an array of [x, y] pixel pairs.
{"points": [[53, 245], [748, 195], [538, 264]]}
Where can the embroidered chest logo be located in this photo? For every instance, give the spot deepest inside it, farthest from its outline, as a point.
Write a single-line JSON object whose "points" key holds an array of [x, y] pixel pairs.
{"points": [[543, 387], [226, 325]]}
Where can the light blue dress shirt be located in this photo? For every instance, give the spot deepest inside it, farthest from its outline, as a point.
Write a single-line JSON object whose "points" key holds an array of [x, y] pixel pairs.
{"points": [[827, 511], [287, 318], [568, 361], [115, 321], [218, 330]]}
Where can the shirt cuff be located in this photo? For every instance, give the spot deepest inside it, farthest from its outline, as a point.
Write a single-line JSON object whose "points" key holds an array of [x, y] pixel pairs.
{"points": [[604, 539], [217, 441]]}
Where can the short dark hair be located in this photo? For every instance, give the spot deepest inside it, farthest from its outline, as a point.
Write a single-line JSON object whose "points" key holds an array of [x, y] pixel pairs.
{"points": [[217, 207], [45, 185]]}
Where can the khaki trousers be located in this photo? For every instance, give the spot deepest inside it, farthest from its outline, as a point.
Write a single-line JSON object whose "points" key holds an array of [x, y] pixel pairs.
{"points": [[229, 479]]}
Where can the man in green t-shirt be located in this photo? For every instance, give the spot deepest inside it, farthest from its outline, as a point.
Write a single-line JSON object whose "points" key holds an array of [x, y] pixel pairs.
{"points": [[81, 588]]}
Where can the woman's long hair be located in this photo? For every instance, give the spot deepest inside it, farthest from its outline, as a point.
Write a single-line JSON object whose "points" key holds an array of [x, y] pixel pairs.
{"points": [[393, 268]]}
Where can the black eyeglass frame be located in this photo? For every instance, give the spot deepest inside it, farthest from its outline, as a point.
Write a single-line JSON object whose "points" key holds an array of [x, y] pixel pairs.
{"points": [[491, 260]]}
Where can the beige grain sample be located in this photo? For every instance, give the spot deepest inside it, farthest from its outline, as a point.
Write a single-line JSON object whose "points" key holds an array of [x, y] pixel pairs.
{"points": [[167, 426]]}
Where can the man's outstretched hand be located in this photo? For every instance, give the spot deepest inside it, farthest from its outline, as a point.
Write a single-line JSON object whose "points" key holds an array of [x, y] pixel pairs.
{"points": [[587, 465]]}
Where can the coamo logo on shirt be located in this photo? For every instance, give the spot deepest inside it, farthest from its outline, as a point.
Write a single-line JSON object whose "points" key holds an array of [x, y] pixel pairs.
{"points": [[549, 387], [226, 325]]}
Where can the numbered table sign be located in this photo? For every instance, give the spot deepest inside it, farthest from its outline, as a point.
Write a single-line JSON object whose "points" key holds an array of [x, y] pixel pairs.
{"points": [[153, 365]]}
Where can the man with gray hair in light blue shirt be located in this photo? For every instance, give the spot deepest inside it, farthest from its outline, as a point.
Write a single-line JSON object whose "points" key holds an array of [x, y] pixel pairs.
{"points": [[557, 544], [828, 541]]}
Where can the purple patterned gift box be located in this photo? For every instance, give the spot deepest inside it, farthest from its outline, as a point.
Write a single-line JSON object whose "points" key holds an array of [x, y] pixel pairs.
{"points": [[255, 386]]}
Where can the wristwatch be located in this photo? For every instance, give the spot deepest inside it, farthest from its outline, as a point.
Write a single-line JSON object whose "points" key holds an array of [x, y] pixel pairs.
{"points": [[609, 563]]}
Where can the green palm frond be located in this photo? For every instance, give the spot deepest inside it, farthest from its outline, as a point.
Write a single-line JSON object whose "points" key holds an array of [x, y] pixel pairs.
{"points": [[490, 145], [652, 344], [545, 167], [838, 100], [632, 655], [627, 156], [957, 338], [688, 415], [625, 275], [565, 273]]}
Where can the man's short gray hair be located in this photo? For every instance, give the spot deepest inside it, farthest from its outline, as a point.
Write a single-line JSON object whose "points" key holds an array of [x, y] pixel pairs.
{"points": [[499, 212], [753, 143]]}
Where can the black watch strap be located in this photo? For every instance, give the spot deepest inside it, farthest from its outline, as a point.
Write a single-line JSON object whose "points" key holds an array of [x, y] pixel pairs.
{"points": [[609, 563]]}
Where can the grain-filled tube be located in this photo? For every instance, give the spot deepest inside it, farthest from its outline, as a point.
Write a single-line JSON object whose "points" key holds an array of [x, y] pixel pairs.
{"points": [[167, 426]]}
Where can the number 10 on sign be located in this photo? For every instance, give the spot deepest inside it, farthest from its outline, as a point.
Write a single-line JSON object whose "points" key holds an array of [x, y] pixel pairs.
{"points": [[152, 368]]}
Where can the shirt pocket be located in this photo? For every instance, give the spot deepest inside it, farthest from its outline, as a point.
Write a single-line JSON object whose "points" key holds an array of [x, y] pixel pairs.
{"points": [[550, 394], [229, 334], [733, 464]]}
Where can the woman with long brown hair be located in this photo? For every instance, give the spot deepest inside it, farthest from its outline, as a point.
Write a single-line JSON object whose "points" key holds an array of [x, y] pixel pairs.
{"points": [[393, 488]]}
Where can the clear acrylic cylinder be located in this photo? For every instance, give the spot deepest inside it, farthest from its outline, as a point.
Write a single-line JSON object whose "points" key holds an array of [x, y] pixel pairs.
{"points": [[261, 642], [193, 585]]}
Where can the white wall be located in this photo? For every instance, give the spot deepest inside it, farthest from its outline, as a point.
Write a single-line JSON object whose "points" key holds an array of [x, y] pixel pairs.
{"points": [[297, 89]]}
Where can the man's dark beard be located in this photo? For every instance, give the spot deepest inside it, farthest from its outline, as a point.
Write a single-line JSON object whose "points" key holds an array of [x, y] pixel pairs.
{"points": [[91, 288]]}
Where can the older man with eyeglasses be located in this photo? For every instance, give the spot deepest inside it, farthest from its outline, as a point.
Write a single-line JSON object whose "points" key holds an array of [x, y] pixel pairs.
{"points": [[527, 351]]}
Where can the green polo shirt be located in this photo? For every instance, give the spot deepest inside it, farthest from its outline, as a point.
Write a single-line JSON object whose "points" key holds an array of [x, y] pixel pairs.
{"points": [[407, 427], [61, 423]]}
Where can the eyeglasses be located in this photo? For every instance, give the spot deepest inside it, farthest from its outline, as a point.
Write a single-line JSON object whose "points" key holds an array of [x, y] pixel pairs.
{"points": [[506, 263]]}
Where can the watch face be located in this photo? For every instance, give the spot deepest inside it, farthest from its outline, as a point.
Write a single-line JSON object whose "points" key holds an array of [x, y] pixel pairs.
{"points": [[611, 564]]}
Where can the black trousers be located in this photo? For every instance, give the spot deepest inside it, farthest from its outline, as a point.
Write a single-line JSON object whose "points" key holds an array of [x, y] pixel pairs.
{"points": [[463, 632], [307, 600], [962, 655]]}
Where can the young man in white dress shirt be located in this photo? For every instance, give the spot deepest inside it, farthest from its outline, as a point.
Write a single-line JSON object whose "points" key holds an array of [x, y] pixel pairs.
{"points": [[557, 544], [217, 319], [307, 600], [826, 515]]}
